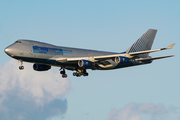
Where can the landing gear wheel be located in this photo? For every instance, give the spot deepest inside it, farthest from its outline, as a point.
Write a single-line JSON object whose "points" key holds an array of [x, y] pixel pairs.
{"points": [[78, 74], [21, 67], [64, 75], [74, 74]]}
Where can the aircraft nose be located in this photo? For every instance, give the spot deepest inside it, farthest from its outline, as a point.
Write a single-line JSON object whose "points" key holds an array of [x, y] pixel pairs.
{"points": [[8, 50]]}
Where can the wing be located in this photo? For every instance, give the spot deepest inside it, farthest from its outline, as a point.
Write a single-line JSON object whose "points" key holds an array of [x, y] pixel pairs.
{"points": [[108, 57]]}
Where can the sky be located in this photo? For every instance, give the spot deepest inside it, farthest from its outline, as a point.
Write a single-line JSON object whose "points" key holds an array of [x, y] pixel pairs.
{"points": [[146, 92]]}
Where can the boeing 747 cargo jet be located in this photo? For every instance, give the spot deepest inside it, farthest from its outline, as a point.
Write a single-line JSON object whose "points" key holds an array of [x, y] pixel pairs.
{"points": [[45, 55]]}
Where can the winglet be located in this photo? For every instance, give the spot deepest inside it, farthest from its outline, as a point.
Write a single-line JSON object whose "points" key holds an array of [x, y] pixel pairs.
{"points": [[171, 46]]}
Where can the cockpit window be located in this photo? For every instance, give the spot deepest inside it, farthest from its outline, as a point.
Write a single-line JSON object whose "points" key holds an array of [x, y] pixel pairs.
{"points": [[18, 42]]}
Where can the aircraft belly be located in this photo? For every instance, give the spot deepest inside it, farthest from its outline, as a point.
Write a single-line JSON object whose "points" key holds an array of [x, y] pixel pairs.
{"points": [[45, 61]]}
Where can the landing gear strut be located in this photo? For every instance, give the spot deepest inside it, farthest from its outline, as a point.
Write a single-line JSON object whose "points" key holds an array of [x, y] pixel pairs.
{"points": [[21, 67], [64, 75]]}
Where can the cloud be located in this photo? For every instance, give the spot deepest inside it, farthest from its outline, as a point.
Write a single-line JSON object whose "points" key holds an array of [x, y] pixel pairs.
{"points": [[29, 94], [137, 111]]}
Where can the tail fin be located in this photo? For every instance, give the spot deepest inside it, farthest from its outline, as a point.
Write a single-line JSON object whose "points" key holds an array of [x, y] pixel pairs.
{"points": [[143, 43]]}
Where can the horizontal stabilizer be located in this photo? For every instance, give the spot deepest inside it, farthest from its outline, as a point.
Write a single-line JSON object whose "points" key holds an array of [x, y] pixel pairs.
{"points": [[147, 59]]}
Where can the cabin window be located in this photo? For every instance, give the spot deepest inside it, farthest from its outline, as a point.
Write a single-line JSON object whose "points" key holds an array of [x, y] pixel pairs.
{"points": [[18, 42]]}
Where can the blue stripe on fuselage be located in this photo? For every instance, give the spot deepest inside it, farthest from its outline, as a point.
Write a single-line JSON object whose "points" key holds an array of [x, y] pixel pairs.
{"points": [[45, 50], [34, 51]]}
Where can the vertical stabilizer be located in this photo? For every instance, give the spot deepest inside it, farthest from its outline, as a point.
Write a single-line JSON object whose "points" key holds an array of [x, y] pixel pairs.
{"points": [[143, 43]]}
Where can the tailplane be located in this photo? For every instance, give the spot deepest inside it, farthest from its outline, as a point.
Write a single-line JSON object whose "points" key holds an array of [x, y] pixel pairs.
{"points": [[143, 43]]}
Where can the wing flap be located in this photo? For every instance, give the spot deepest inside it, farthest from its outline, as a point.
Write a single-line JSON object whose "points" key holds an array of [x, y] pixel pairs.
{"points": [[105, 66], [61, 59]]}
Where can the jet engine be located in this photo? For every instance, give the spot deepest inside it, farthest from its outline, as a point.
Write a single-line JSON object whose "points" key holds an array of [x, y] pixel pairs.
{"points": [[121, 59], [85, 63], [41, 67]]}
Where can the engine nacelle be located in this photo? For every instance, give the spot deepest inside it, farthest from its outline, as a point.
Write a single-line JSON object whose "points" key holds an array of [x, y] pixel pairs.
{"points": [[41, 67], [85, 63], [121, 59]]}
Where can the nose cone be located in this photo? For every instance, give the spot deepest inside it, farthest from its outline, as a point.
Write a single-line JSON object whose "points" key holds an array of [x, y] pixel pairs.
{"points": [[8, 51]]}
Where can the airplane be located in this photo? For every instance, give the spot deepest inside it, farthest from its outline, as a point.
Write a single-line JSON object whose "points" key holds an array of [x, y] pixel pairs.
{"points": [[45, 55]]}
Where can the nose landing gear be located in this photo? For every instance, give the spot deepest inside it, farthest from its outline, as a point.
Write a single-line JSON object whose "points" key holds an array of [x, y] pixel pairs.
{"points": [[21, 67]]}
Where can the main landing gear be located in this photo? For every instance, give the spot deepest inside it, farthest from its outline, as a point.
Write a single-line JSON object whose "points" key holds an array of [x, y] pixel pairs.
{"points": [[64, 75], [21, 67], [79, 73]]}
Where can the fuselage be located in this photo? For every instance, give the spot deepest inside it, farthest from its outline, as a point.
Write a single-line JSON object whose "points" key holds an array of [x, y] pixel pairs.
{"points": [[44, 53]]}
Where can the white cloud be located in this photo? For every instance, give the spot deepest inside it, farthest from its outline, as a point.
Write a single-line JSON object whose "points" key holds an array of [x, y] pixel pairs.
{"points": [[39, 89], [137, 111]]}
